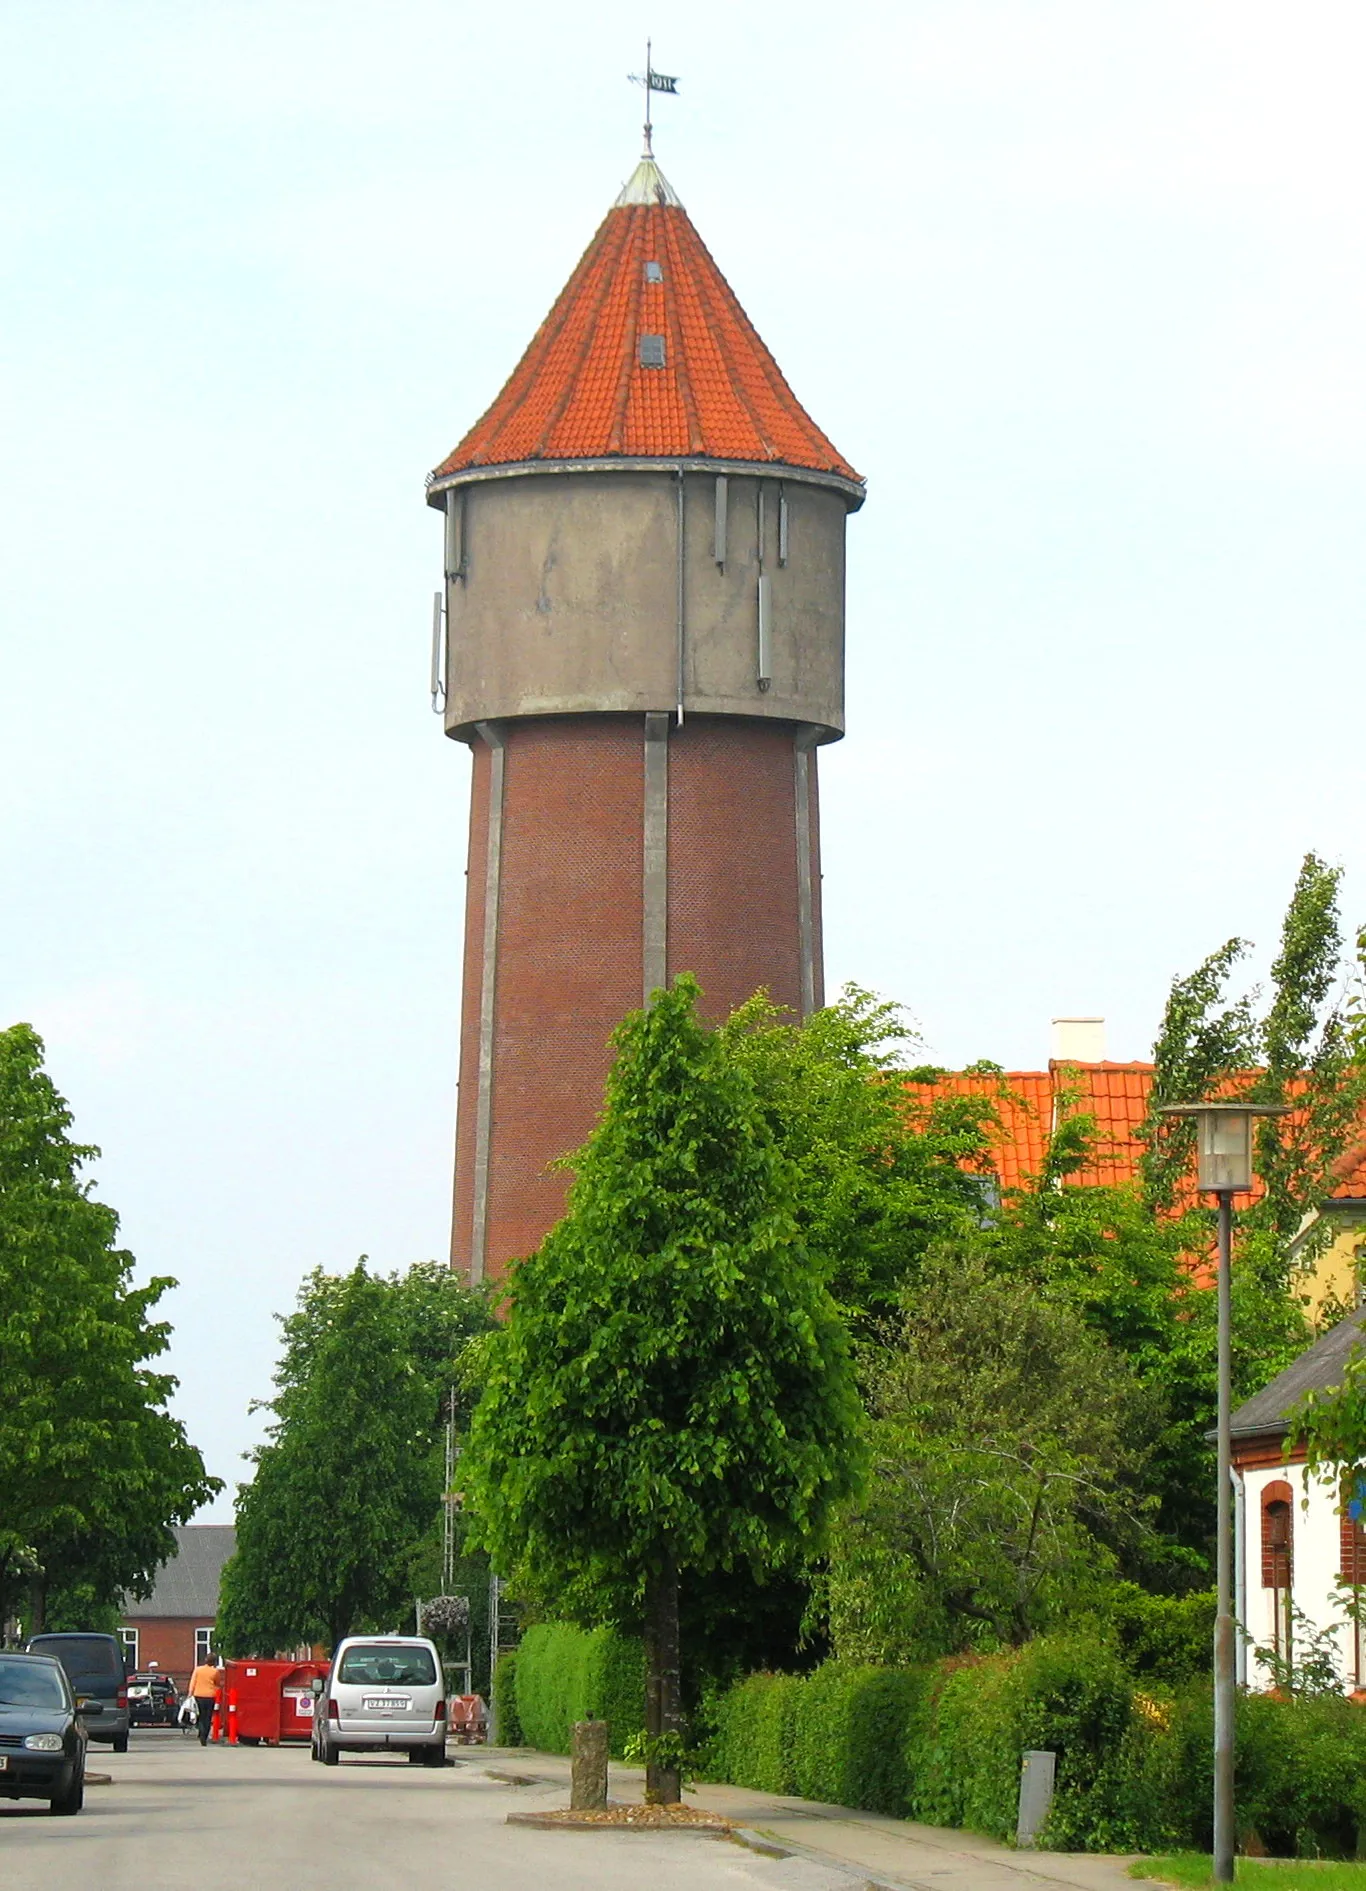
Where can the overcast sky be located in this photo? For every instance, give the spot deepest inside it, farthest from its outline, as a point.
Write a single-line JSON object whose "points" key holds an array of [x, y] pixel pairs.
{"points": [[1078, 286]]}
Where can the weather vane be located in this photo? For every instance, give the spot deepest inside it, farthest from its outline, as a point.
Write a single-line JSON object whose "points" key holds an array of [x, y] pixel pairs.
{"points": [[653, 82]]}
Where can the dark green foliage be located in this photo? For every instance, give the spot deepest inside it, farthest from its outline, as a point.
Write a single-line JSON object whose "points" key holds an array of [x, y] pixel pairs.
{"points": [[1126, 1270], [506, 1718], [1009, 1452], [756, 1731], [1067, 1695], [943, 1744], [849, 1735], [1300, 1774], [671, 1404], [876, 1172], [94, 1470], [348, 1486], [1164, 1640], [564, 1674], [1300, 1780]]}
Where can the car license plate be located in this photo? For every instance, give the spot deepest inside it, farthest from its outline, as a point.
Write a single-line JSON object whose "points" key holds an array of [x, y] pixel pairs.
{"points": [[379, 1703], [4, 1762]]}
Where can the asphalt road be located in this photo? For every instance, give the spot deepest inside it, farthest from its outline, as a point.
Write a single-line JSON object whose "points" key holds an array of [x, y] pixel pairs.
{"points": [[180, 1818]]}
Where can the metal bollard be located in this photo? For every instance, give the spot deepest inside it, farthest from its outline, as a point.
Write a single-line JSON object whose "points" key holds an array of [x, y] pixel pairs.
{"points": [[1037, 1773]]}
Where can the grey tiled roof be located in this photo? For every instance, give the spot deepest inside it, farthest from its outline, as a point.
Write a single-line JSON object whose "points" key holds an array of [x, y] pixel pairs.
{"points": [[188, 1584], [1322, 1366]]}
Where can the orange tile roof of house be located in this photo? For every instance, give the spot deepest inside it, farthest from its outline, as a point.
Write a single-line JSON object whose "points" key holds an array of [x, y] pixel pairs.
{"points": [[1349, 1174], [1028, 1102], [581, 390]]}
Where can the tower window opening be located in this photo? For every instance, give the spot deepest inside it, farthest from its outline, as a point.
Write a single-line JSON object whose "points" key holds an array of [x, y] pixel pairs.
{"points": [[652, 351], [654, 272]]}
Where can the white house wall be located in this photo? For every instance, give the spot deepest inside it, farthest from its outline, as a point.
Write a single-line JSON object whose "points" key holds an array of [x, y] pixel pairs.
{"points": [[1316, 1563]]}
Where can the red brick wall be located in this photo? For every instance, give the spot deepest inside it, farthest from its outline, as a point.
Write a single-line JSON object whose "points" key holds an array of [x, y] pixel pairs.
{"points": [[471, 990], [569, 955], [733, 861], [570, 924], [169, 1642]]}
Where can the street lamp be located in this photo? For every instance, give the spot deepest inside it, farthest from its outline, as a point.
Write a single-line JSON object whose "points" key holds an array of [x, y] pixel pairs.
{"points": [[1224, 1145]]}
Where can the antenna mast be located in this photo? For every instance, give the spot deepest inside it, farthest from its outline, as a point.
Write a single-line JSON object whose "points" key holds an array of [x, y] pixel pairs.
{"points": [[649, 88]]}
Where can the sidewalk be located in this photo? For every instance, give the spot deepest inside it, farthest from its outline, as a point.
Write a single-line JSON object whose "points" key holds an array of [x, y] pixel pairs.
{"points": [[873, 1849]]}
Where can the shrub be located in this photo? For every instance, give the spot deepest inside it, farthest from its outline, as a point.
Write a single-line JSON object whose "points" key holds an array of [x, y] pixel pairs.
{"points": [[506, 1721], [943, 1743], [1298, 1779], [1168, 1640], [849, 1735], [755, 1730], [564, 1674]]}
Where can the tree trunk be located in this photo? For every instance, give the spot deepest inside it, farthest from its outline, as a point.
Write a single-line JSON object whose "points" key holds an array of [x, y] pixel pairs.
{"points": [[662, 1715], [37, 1602]]}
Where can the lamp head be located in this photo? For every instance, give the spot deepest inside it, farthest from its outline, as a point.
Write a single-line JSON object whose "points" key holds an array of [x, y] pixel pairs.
{"points": [[1224, 1141]]}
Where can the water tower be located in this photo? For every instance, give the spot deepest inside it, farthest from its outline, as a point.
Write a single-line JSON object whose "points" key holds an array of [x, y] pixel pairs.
{"points": [[644, 650]]}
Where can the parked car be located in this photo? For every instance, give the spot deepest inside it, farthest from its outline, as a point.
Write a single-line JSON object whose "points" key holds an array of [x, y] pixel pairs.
{"points": [[42, 1733], [383, 1693], [152, 1700], [95, 1668]]}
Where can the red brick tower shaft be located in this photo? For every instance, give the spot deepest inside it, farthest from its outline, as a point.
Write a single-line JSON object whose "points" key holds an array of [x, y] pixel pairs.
{"points": [[644, 649]]}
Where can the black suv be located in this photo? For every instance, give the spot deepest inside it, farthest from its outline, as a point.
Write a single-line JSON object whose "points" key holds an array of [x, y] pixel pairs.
{"points": [[95, 1668]]}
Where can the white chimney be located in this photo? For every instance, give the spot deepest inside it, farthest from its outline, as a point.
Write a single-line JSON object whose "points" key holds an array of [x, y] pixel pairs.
{"points": [[1078, 1040]]}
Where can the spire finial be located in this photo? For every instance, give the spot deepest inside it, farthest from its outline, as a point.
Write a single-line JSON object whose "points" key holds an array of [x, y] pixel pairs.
{"points": [[653, 82]]}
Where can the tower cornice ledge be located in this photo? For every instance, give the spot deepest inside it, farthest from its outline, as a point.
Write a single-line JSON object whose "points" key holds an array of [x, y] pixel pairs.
{"points": [[854, 490]]}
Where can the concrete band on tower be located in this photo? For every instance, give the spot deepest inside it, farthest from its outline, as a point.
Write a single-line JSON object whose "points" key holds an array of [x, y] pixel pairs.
{"points": [[644, 651]]}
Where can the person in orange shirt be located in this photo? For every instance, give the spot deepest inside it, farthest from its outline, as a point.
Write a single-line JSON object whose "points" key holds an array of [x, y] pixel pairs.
{"points": [[204, 1684]]}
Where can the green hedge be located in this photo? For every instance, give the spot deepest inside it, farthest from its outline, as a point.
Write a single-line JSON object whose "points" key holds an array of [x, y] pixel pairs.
{"points": [[564, 1674], [849, 1737], [755, 1729], [506, 1720], [943, 1744]]}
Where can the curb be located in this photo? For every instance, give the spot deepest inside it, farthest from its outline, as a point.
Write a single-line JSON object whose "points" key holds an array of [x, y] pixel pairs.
{"points": [[859, 1880], [542, 1823]]}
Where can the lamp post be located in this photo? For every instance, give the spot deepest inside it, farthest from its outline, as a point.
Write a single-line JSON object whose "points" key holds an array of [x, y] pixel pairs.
{"points": [[1224, 1143]]}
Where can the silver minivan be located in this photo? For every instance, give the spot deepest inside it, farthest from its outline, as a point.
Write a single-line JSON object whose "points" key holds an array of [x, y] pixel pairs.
{"points": [[383, 1693]]}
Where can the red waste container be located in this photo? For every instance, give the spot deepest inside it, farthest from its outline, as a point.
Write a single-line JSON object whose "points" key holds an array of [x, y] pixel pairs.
{"points": [[468, 1719], [274, 1699]]}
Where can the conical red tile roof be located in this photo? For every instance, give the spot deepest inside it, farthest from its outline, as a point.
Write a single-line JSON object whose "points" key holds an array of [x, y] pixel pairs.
{"points": [[581, 390]]}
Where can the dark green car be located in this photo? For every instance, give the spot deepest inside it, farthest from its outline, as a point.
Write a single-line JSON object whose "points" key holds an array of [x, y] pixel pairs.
{"points": [[42, 1733]]}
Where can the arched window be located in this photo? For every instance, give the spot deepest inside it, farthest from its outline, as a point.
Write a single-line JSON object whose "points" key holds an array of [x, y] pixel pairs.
{"points": [[1278, 1559]]}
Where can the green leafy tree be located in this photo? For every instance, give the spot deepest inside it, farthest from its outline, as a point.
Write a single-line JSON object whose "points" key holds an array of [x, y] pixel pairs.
{"points": [[1009, 1458], [672, 1394], [94, 1471], [1302, 1048], [879, 1168], [1126, 1270], [348, 1484]]}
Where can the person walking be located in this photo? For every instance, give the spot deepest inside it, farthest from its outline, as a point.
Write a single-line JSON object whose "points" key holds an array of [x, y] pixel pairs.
{"points": [[204, 1683]]}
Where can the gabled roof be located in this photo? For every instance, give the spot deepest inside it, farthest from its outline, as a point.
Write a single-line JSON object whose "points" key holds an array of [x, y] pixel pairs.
{"points": [[188, 1584], [1268, 1412], [582, 389], [1028, 1101]]}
